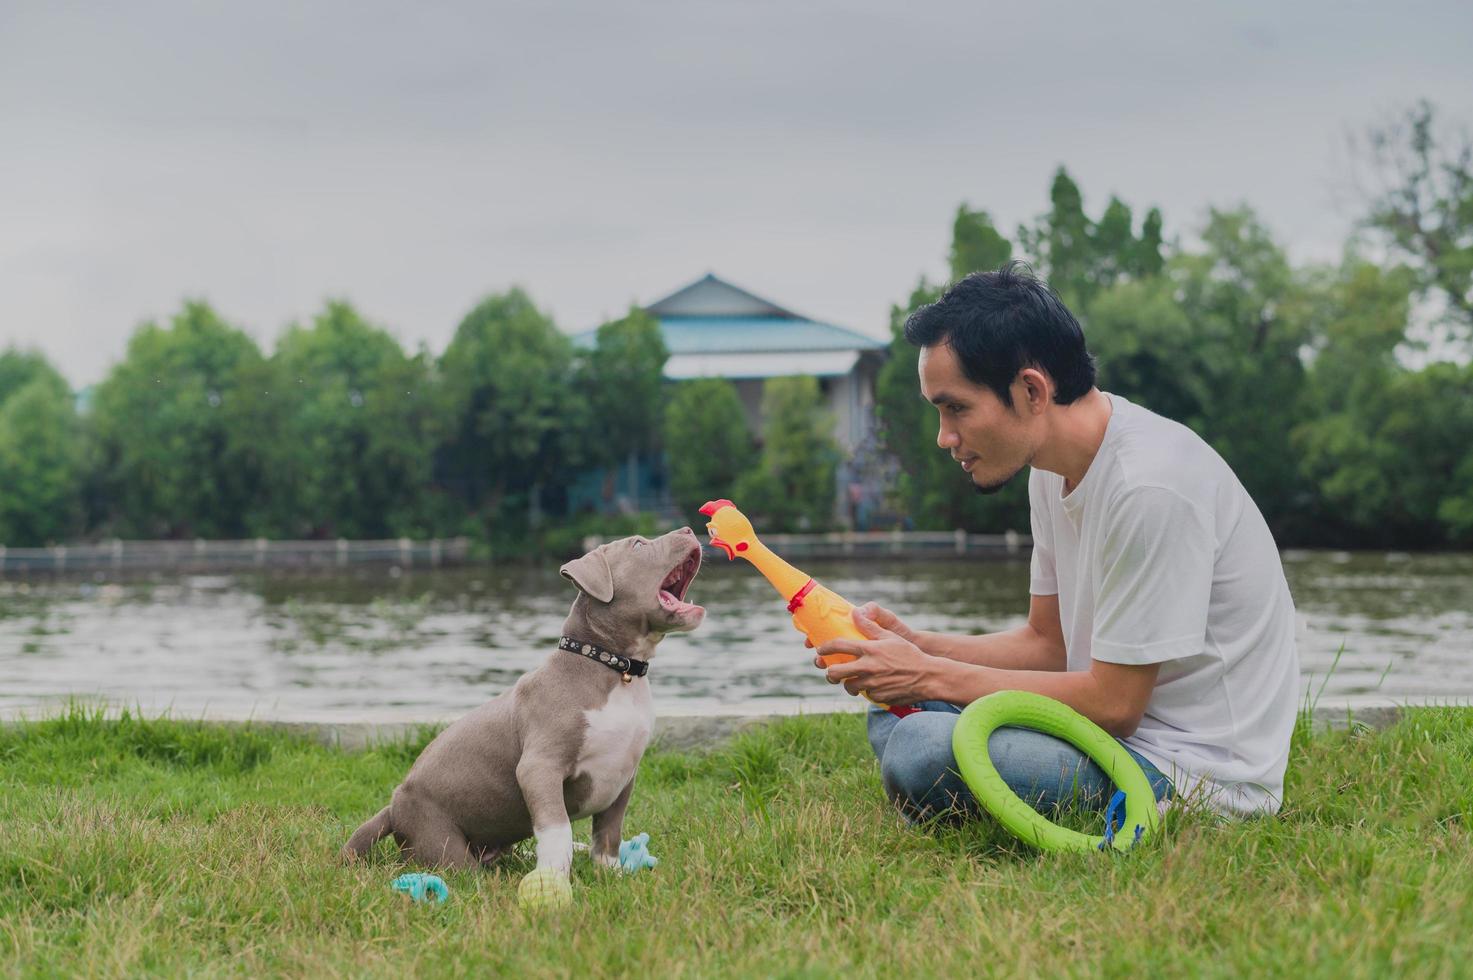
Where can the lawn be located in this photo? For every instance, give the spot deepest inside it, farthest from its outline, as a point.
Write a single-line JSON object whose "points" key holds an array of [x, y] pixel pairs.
{"points": [[133, 846]]}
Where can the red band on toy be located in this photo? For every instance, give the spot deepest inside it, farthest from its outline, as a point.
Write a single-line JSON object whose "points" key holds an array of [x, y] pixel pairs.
{"points": [[797, 600]]}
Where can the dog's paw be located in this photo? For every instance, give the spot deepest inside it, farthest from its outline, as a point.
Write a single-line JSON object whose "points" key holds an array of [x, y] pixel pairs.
{"points": [[545, 888]]}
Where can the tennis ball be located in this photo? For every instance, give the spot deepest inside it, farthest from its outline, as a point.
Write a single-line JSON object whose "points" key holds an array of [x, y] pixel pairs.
{"points": [[545, 888]]}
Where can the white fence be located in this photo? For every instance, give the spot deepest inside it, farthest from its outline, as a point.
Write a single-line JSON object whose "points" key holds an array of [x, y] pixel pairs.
{"points": [[202, 554]]}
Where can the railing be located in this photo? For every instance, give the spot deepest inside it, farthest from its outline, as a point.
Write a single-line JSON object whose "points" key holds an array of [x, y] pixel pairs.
{"points": [[202, 554], [904, 544]]}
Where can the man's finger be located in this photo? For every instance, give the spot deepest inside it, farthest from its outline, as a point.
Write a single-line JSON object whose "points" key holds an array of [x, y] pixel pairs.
{"points": [[844, 671], [855, 648], [869, 627]]}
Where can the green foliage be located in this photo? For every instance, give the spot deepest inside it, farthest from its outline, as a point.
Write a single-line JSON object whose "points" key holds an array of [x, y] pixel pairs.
{"points": [[564, 539], [505, 388], [708, 444], [931, 490], [1425, 212], [347, 439], [792, 487], [976, 244], [162, 422], [40, 453], [1081, 257], [622, 380]]}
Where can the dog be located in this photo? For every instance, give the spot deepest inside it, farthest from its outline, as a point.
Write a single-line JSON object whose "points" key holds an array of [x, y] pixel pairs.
{"points": [[564, 742]]}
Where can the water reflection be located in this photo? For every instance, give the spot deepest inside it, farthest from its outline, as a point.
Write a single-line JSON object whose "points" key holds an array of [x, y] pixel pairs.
{"points": [[429, 645]]}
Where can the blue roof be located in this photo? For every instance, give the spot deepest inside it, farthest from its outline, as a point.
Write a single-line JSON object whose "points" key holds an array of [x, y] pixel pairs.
{"points": [[722, 334], [711, 316]]}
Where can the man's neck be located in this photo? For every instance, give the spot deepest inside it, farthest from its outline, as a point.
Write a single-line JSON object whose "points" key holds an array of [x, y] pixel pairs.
{"points": [[1075, 434]]}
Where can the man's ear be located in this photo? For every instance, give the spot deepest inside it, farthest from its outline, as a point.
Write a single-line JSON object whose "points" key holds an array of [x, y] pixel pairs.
{"points": [[1037, 389], [592, 575]]}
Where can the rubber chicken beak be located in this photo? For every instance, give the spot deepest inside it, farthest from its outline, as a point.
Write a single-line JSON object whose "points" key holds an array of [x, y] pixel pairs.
{"points": [[709, 508]]}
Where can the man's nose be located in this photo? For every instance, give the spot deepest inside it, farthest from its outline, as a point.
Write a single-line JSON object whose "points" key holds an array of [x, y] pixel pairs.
{"points": [[945, 438]]}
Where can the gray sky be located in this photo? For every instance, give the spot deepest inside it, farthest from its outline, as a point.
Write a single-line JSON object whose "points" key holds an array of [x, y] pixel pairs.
{"points": [[415, 157]]}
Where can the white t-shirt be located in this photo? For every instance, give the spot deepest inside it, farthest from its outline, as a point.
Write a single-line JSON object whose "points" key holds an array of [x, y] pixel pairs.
{"points": [[1160, 556]]}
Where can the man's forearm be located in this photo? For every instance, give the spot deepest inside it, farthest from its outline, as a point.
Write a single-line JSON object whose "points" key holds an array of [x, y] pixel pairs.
{"points": [[1023, 648], [963, 683]]}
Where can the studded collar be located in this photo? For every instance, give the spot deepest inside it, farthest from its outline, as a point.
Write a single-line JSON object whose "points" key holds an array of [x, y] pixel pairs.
{"points": [[627, 666]]}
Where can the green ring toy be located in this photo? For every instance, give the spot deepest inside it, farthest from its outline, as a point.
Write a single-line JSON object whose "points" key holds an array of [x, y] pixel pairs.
{"points": [[1024, 709]]}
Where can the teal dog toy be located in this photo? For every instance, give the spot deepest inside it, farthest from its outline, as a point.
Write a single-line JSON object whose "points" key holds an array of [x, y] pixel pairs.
{"points": [[635, 854], [419, 887]]}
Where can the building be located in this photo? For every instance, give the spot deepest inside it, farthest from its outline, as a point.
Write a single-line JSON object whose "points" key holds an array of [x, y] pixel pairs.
{"points": [[715, 329]]}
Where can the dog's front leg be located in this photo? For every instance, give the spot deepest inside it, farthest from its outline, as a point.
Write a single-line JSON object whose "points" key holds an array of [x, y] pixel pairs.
{"points": [[608, 829], [541, 782]]}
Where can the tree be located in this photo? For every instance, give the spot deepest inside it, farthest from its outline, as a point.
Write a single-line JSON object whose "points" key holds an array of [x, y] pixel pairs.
{"points": [[40, 453], [708, 444], [19, 368], [352, 454], [976, 244], [508, 400], [1240, 298], [1081, 257], [161, 421], [1359, 315], [622, 378], [931, 490], [1424, 207], [1061, 241], [792, 487]]}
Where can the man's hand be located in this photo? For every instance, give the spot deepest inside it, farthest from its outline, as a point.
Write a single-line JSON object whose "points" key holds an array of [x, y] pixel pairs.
{"points": [[885, 620], [890, 668]]}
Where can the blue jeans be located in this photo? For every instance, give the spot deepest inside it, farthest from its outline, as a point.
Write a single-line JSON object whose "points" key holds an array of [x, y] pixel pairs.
{"points": [[920, 776]]}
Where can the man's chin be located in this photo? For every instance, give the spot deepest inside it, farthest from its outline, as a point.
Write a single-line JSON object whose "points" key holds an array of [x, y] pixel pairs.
{"points": [[988, 489]]}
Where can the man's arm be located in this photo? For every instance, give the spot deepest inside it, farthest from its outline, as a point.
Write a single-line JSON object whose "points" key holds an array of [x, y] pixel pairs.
{"points": [[894, 670], [1036, 645], [1113, 696]]}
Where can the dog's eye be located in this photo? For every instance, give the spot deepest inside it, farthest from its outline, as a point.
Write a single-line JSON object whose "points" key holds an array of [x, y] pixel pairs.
{"points": [[639, 543]]}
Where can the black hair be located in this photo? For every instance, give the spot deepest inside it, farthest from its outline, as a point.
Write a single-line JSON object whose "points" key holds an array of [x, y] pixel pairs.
{"points": [[1000, 322]]}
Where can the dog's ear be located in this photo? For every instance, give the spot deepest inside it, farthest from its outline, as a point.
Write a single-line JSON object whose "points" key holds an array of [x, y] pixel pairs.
{"points": [[592, 575]]}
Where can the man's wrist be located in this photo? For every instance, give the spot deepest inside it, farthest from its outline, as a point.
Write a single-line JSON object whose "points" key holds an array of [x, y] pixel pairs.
{"points": [[939, 680], [929, 642]]}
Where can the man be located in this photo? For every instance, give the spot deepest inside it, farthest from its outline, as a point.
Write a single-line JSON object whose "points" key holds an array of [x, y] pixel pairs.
{"points": [[1159, 607]]}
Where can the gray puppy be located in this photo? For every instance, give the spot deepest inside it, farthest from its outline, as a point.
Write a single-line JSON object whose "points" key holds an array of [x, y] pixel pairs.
{"points": [[564, 742]]}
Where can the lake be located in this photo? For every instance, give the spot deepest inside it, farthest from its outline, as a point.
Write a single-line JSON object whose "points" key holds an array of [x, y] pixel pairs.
{"points": [[381, 644]]}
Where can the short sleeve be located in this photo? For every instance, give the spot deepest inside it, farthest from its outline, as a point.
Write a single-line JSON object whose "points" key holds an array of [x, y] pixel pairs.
{"points": [[1154, 575], [1042, 578]]}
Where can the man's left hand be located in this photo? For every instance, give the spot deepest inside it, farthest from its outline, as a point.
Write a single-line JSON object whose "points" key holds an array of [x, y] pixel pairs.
{"points": [[889, 668]]}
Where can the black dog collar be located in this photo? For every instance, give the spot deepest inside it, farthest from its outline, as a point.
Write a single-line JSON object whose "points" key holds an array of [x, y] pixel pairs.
{"points": [[624, 665]]}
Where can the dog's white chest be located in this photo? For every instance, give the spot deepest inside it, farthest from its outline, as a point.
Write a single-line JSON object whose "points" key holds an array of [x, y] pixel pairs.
{"points": [[613, 744]]}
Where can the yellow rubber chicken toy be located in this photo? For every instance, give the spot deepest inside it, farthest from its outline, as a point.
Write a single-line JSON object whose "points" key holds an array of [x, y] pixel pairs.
{"points": [[818, 613]]}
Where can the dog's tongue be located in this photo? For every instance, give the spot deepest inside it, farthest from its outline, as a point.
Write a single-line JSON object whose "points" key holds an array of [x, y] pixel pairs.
{"points": [[668, 599]]}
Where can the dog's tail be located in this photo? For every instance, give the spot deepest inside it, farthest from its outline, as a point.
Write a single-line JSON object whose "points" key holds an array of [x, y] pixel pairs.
{"points": [[376, 828]]}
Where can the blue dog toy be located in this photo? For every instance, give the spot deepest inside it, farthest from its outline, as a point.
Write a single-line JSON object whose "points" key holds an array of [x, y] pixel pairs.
{"points": [[419, 887], [635, 854]]}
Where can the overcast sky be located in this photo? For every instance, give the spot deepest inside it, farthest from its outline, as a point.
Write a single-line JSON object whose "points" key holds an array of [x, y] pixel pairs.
{"points": [[414, 157]]}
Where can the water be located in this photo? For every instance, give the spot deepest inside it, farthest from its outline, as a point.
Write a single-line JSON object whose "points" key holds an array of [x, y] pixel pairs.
{"points": [[381, 645]]}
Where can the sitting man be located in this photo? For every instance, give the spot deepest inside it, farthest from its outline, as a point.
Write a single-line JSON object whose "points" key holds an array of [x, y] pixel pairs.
{"points": [[1159, 607]]}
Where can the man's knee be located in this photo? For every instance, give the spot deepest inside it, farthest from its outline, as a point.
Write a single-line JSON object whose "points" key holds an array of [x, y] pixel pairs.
{"points": [[1044, 770], [918, 768]]}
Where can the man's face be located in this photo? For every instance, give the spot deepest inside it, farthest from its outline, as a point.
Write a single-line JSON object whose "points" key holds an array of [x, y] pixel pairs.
{"points": [[991, 441]]}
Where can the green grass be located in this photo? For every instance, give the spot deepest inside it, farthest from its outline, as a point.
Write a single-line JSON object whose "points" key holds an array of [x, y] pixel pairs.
{"points": [[132, 846]]}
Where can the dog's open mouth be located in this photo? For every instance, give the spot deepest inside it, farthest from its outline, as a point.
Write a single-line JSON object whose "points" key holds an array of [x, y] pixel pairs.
{"points": [[677, 583]]}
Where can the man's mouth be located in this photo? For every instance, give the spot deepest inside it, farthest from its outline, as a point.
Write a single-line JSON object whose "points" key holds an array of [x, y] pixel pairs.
{"points": [[967, 462], [677, 583]]}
